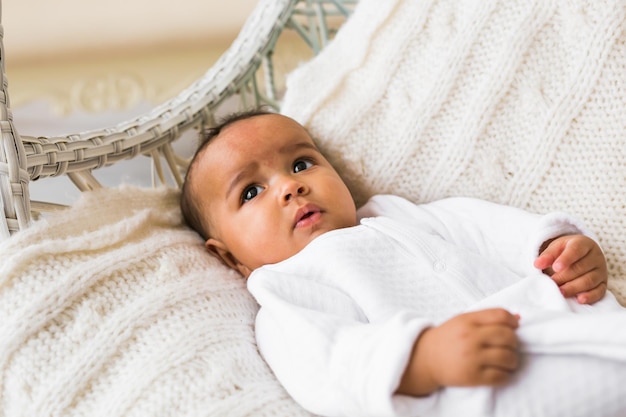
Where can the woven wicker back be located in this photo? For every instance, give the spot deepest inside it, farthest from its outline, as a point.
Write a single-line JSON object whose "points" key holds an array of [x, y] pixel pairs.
{"points": [[237, 73], [14, 178]]}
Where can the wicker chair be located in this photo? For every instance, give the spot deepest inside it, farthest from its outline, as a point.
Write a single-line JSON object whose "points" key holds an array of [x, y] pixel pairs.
{"points": [[245, 70]]}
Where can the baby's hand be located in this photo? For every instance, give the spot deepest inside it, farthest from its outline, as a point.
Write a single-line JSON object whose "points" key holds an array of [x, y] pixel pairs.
{"points": [[476, 348], [577, 265]]}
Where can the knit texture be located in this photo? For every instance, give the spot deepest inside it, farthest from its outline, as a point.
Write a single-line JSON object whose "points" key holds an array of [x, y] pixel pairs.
{"points": [[513, 101], [114, 308]]}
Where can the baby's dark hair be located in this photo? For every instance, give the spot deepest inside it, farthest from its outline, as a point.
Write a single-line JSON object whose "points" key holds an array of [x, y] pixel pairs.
{"points": [[188, 205]]}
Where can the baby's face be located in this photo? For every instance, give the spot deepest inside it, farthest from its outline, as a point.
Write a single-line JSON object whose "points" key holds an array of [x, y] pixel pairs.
{"points": [[267, 191]]}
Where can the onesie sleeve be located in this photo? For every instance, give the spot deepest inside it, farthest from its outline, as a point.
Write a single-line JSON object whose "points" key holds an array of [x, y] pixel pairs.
{"points": [[505, 234], [326, 355]]}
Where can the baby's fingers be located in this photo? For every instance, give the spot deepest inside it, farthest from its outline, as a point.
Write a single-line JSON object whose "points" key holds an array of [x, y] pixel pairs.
{"points": [[575, 249], [585, 272], [491, 317], [544, 263], [498, 364], [585, 293], [502, 358]]}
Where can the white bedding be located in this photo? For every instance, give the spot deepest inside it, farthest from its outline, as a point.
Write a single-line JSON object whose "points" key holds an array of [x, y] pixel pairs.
{"points": [[114, 308]]}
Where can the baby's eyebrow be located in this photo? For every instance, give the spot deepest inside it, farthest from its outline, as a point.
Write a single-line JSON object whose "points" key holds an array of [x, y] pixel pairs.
{"points": [[294, 146], [241, 174]]}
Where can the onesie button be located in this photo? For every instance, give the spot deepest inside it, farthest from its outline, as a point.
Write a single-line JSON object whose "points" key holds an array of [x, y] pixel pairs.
{"points": [[439, 266]]}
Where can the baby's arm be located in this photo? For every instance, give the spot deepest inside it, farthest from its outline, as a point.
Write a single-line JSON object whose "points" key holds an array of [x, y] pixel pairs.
{"points": [[576, 263], [477, 348]]}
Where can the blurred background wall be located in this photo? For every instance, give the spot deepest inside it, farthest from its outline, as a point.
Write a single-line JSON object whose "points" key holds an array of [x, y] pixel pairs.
{"points": [[96, 56]]}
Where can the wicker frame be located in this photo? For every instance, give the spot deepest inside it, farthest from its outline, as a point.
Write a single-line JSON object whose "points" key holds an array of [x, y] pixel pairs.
{"points": [[236, 73]]}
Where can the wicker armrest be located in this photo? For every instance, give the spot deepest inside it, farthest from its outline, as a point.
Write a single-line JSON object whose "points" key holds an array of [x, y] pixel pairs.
{"points": [[24, 159]]}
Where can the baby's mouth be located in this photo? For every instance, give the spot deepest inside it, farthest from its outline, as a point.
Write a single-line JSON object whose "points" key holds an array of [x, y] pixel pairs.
{"points": [[307, 215]]}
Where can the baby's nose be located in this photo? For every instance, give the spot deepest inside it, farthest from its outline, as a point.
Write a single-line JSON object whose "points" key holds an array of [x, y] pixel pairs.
{"points": [[292, 189], [299, 190]]}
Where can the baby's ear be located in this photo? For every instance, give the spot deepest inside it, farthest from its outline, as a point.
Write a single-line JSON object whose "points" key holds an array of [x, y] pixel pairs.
{"points": [[221, 252]]}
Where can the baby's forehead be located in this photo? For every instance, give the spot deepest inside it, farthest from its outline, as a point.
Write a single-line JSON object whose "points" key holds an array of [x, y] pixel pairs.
{"points": [[262, 132], [248, 139]]}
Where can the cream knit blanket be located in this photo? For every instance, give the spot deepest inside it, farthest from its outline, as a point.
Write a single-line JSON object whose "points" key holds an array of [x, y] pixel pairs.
{"points": [[113, 308], [521, 102]]}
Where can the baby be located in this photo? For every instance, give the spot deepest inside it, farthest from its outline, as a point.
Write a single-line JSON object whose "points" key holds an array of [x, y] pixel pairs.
{"points": [[362, 308]]}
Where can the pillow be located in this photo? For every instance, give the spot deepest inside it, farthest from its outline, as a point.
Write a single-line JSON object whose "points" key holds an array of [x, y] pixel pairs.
{"points": [[114, 308], [517, 102]]}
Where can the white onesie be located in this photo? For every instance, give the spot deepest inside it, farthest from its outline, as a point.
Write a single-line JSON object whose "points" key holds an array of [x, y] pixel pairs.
{"points": [[339, 319]]}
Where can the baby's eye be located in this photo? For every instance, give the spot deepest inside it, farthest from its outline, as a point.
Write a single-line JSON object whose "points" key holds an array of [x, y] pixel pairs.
{"points": [[250, 192], [301, 165]]}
